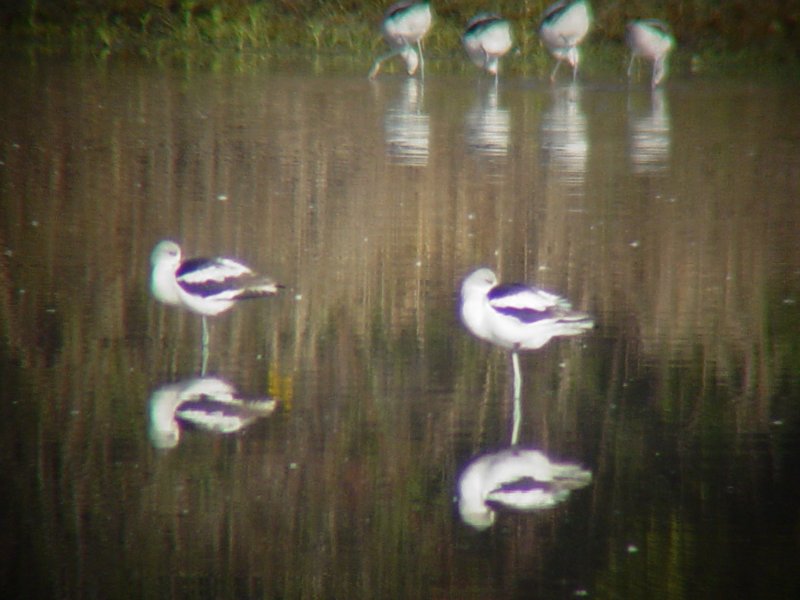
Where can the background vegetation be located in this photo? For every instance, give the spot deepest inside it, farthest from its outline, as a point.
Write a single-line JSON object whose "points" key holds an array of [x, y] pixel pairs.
{"points": [[706, 29]]}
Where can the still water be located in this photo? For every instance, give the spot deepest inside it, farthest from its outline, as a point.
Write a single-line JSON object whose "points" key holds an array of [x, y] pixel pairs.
{"points": [[673, 217]]}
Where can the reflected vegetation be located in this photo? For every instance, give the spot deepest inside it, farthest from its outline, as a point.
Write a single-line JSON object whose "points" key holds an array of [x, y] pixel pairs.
{"points": [[649, 132], [205, 403], [683, 403]]}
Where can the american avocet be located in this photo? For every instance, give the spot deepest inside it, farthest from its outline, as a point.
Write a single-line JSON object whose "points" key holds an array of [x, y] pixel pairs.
{"points": [[404, 25], [206, 286], [563, 27], [652, 40], [204, 403], [516, 316], [487, 39], [515, 479]]}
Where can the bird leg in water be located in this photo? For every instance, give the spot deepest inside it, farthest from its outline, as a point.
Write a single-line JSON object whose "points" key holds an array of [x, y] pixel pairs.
{"points": [[204, 348], [517, 398]]}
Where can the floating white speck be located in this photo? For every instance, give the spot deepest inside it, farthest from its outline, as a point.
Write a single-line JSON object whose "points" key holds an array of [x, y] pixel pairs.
{"points": [[634, 244], [34, 223], [298, 297], [222, 197], [471, 217], [632, 548]]}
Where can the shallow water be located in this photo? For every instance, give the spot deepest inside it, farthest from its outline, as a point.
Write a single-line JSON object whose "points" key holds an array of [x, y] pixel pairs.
{"points": [[672, 217]]}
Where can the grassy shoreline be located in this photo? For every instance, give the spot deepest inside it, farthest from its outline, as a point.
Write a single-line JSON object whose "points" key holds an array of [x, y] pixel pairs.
{"points": [[202, 32]]}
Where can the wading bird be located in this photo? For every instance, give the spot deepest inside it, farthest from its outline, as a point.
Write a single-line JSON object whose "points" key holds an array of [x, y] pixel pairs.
{"points": [[652, 40], [404, 25], [516, 316], [563, 27], [206, 286], [487, 39]]}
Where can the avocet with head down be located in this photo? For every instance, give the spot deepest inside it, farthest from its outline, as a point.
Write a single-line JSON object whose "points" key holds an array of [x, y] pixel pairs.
{"points": [[487, 39], [206, 286], [404, 26], [652, 40], [563, 27], [516, 316]]}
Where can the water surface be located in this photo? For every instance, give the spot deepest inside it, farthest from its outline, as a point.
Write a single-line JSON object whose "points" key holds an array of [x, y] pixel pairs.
{"points": [[671, 216]]}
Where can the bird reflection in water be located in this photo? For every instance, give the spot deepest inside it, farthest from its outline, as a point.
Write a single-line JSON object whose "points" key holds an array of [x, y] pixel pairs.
{"points": [[564, 139], [515, 479], [407, 127], [650, 134], [203, 403], [488, 126]]}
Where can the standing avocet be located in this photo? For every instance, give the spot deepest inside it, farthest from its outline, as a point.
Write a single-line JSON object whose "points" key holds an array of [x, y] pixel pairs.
{"points": [[206, 286], [487, 39], [516, 316], [563, 27], [652, 40], [404, 26]]}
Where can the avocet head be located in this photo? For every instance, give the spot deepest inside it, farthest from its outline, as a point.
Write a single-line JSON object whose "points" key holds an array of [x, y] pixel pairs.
{"points": [[166, 251], [165, 258], [411, 59], [479, 281]]}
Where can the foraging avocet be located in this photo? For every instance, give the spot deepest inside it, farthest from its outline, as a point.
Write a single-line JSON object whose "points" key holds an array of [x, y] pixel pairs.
{"points": [[404, 25], [206, 286], [516, 316], [517, 479], [652, 40], [487, 39], [563, 27]]}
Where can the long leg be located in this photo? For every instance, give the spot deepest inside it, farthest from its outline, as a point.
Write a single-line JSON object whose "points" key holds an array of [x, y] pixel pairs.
{"points": [[204, 348], [630, 65], [555, 70], [421, 61], [517, 398]]}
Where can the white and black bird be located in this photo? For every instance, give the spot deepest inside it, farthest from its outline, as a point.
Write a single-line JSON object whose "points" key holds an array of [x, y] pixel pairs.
{"points": [[563, 27], [516, 316], [404, 25], [206, 403], [652, 40], [516, 479], [486, 39], [206, 286]]}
